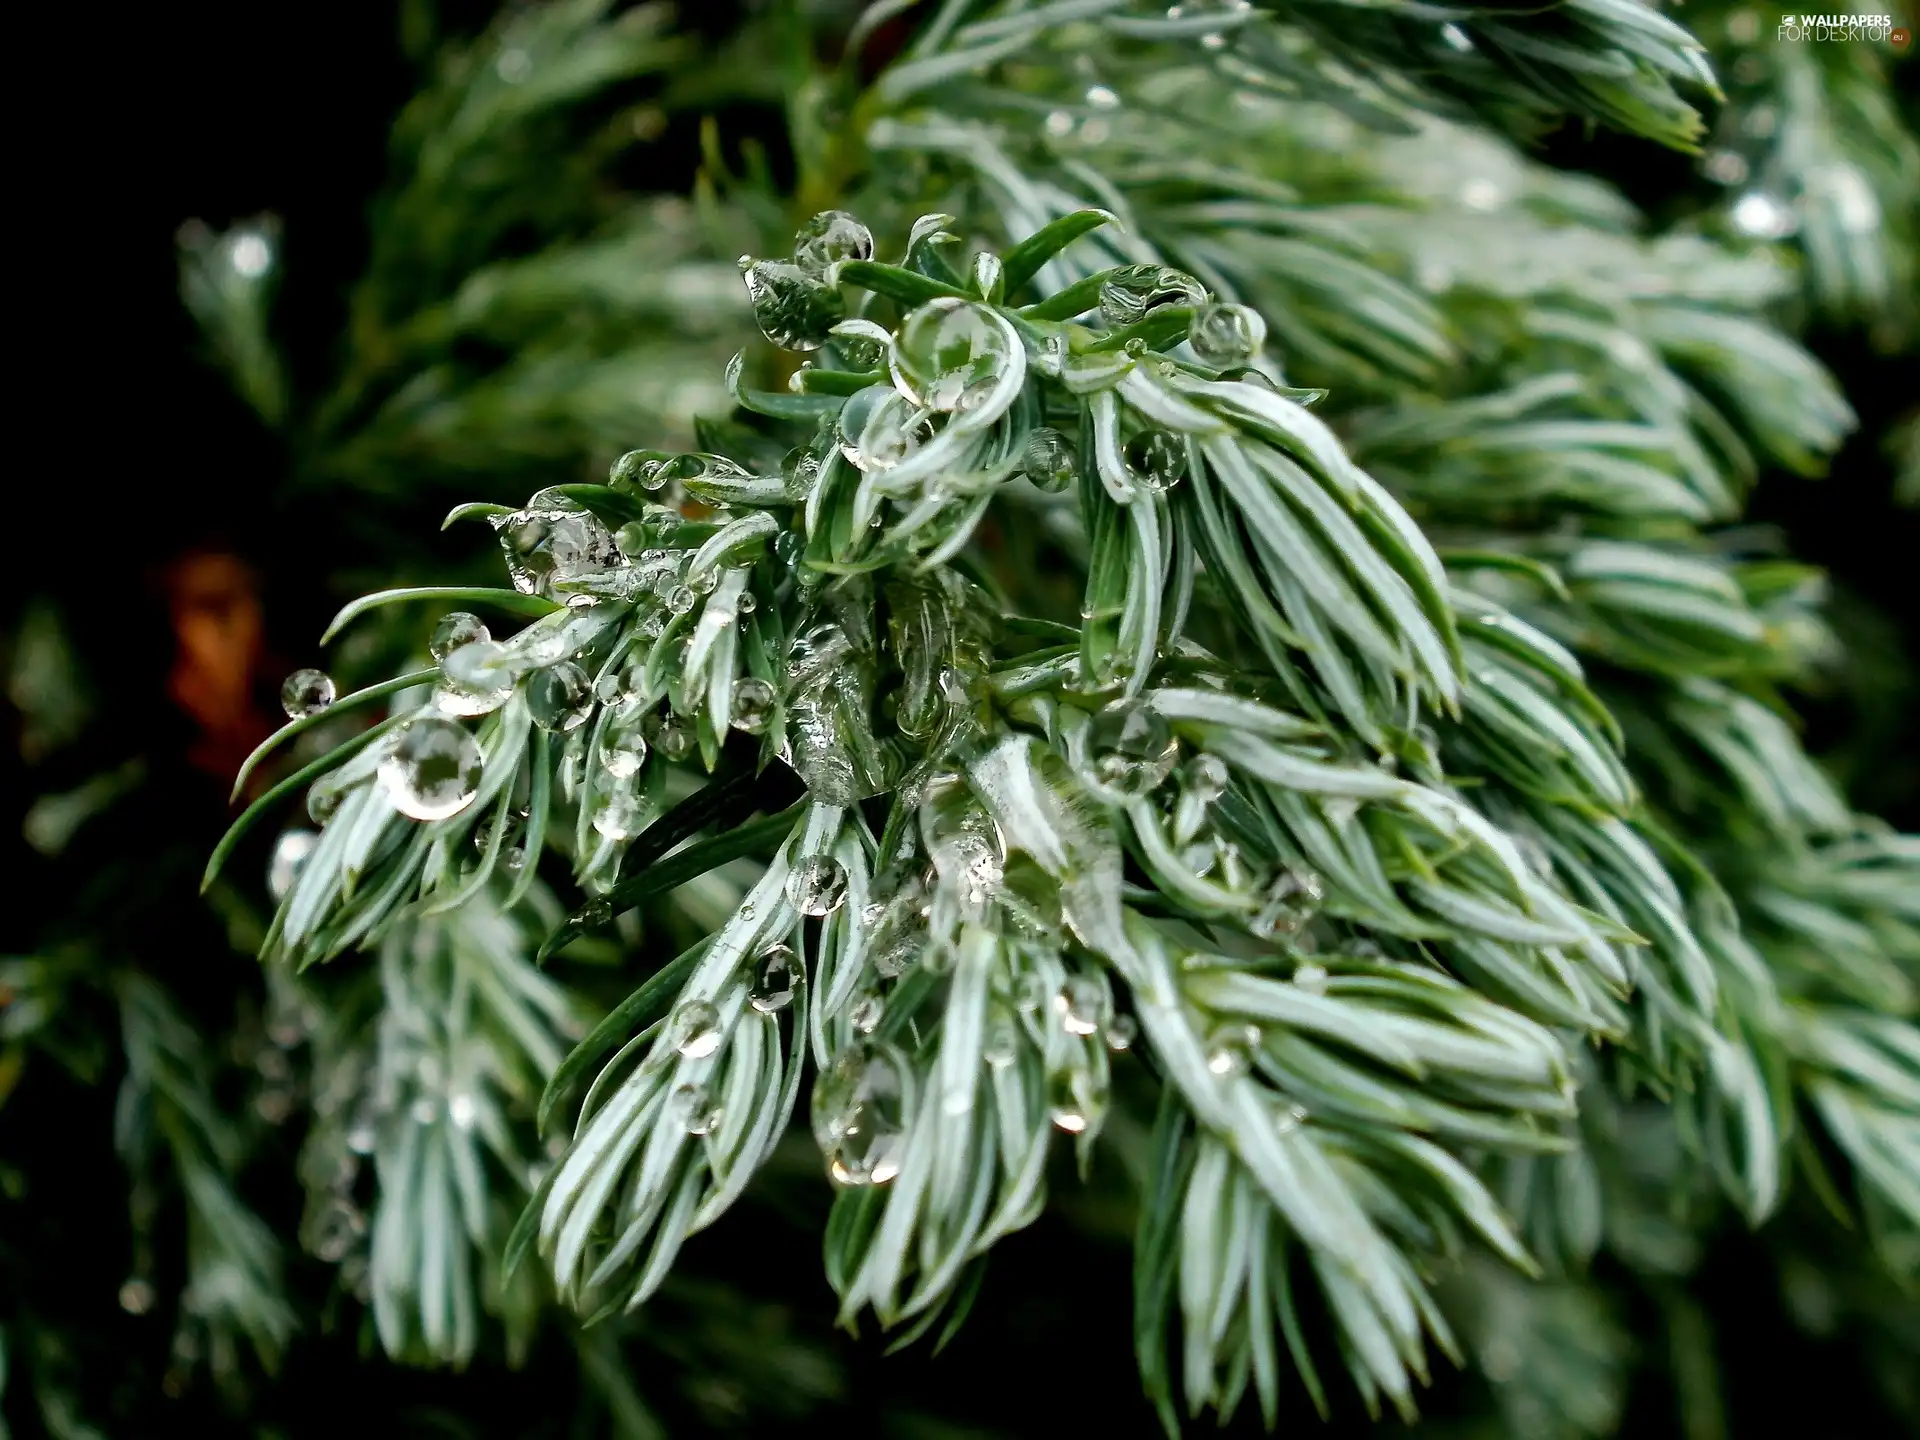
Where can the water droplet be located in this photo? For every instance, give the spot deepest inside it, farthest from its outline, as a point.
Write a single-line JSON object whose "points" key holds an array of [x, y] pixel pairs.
{"points": [[462, 1111], [695, 1031], [1159, 458], [753, 700], [554, 539], [1073, 1104], [1230, 1049], [1456, 38], [477, 680], [1763, 217], [1102, 98], [799, 473], [1206, 777], [945, 348], [1289, 1119], [1121, 1033], [694, 1108], [1059, 124], [817, 886], [669, 734], [424, 1111], [1725, 167], [746, 604], [1002, 1044], [680, 599], [1290, 902], [558, 697], [1132, 291], [433, 771], [792, 306], [1081, 1005], [639, 470], [867, 1011], [1133, 748], [829, 238], [512, 859], [1226, 335], [860, 1103], [775, 974], [1312, 978], [306, 692], [623, 752], [453, 631], [290, 854], [361, 1138], [1050, 462], [137, 1296], [619, 816]]}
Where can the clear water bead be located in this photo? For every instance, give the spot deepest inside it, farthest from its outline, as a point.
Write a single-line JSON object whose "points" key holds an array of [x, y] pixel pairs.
{"points": [[623, 752], [434, 769], [477, 680], [1049, 463], [794, 308], [1134, 748], [1121, 1033], [1290, 902], [462, 1111], [290, 854], [679, 599], [752, 708], [669, 734], [775, 973], [829, 238], [640, 470], [559, 697], [137, 1296], [867, 1012], [454, 631], [1081, 1005], [1226, 335], [1312, 978], [877, 429], [1206, 778], [1069, 1104], [860, 1103], [695, 1031], [619, 816], [1230, 1049], [1001, 1046], [943, 349], [306, 692], [1131, 292], [817, 886], [554, 539], [1159, 458], [694, 1107]]}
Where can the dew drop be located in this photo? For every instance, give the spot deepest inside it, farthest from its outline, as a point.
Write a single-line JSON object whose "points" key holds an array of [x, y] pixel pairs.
{"points": [[817, 886], [775, 974], [559, 697], [619, 816], [462, 1111], [1159, 458], [290, 854], [1132, 291], [454, 631], [1049, 463], [1081, 1005], [137, 1296], [623, 753], [829, 238], [1226, 335], [945, 348], [867, 1012], [1289, 903], [1134, 748], [1002, 1045], [639, 470], [433, 771], [695, 1032], [669, 734], [694, 1107], [794, 308], [477, 680], [753, 700], [860, 1103], [554, 539], [1121, 1033], [1230, 1049], [306, 692]]}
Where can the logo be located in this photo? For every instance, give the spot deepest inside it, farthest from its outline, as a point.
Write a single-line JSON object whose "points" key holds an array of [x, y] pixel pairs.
{"points": [[1829, 29]]}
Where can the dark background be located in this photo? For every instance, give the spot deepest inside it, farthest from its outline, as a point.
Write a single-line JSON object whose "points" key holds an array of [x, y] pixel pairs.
{"points": [[128, 453]]}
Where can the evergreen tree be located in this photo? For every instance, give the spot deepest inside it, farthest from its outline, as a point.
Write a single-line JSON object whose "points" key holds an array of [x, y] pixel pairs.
{"points": [[1209, 634]]}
